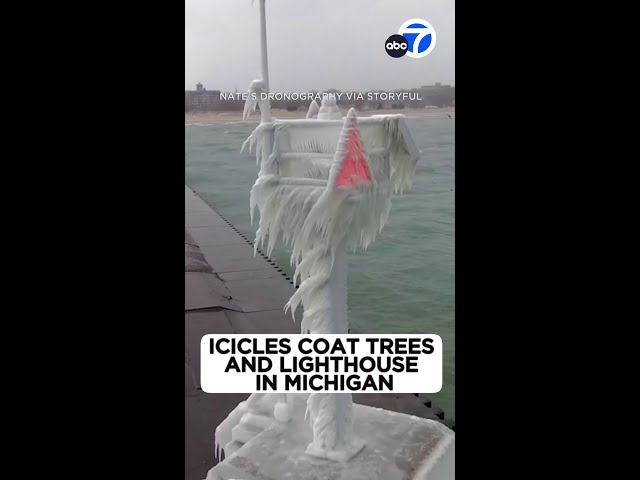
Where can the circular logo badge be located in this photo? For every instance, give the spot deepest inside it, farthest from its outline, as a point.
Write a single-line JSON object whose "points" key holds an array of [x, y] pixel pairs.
{"points": [[396, 46], [420, 36]]}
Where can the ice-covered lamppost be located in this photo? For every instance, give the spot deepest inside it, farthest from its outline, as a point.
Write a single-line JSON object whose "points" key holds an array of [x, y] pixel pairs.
{"points": [[324, 185], [321, 262], [327, 203]]}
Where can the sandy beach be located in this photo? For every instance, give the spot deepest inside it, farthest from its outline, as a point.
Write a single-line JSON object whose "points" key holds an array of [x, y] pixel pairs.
{"points": [[194, 117]]}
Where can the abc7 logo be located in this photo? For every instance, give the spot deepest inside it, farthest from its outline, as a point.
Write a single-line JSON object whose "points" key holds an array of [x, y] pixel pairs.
{"points": [[416, 38], [396, 46]]}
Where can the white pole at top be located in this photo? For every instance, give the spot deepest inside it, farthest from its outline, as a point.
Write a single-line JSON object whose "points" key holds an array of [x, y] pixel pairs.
{"points": [[265, 115], [263, 45]]}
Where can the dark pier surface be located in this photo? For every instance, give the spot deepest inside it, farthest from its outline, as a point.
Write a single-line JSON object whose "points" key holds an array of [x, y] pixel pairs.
{"points": [[228, 290]]}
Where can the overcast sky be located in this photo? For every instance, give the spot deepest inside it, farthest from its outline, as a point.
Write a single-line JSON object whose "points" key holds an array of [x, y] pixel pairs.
{"points": [[314, 45]]}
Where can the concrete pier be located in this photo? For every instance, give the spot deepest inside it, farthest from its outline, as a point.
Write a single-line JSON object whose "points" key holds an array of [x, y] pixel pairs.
{"points": [[228, 290]]}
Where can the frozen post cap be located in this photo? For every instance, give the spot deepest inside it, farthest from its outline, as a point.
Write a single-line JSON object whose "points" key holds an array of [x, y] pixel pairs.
{"points": [[329, 109], [313, 110]]}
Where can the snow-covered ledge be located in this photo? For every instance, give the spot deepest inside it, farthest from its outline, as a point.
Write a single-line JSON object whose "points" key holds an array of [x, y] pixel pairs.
{"points": [[399, 447]]}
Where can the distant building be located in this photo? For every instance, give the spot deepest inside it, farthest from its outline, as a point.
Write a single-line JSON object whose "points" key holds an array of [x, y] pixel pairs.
{"points": [[438, 94], [201, 99]]}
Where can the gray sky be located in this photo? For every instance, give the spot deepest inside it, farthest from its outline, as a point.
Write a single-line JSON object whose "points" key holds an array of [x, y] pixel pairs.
{"points": [[314, 45]]}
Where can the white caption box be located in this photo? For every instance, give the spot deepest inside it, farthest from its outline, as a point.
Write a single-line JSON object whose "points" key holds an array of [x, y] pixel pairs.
{"points": [[336, 378]]}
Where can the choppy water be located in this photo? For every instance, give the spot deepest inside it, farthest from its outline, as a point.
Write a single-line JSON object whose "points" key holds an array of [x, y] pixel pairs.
{"points": [[404, 282]]}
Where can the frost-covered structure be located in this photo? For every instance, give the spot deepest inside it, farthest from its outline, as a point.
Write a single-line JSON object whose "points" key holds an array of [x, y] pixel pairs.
{"points": [[324, 185]]}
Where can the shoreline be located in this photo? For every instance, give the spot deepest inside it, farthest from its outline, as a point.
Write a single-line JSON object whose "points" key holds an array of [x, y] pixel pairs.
{"points": [[236, 116]]}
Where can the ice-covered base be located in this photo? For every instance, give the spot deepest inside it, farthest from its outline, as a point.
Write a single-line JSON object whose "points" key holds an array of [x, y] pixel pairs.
{"points": [[397, 447], [342, 454]]}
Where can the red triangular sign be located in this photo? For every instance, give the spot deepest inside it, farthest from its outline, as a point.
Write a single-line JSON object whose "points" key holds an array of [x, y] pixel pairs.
{"points": [[354, 169]]}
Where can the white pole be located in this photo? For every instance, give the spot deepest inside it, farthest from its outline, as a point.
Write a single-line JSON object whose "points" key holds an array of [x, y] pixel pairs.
{"points": [[265, 113], [332, 413]]}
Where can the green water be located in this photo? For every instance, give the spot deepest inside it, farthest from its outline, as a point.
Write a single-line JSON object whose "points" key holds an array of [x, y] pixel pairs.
{"points": [[404, 282]]}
